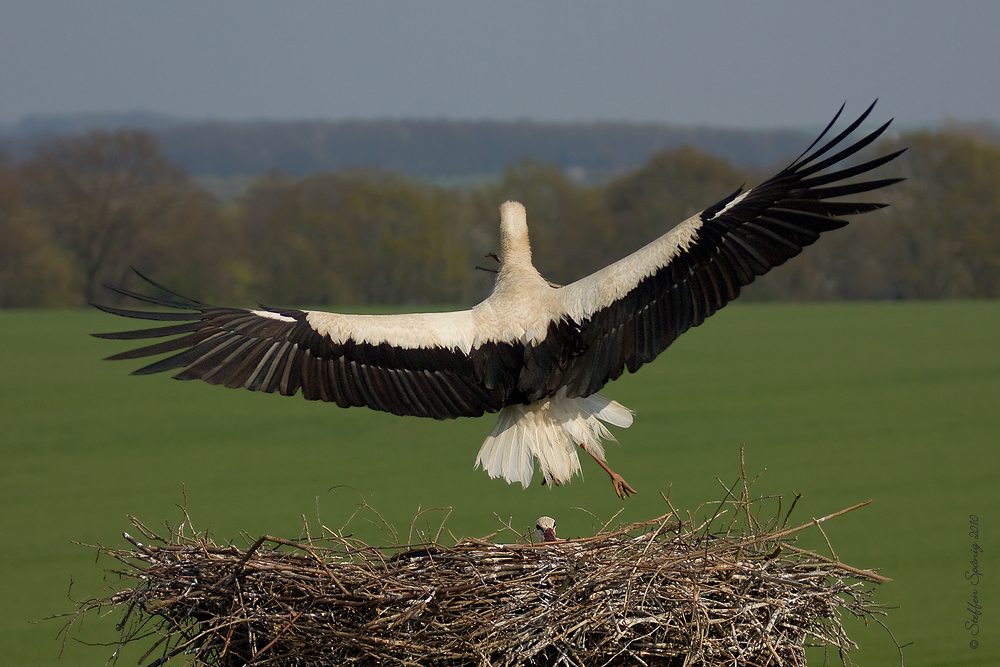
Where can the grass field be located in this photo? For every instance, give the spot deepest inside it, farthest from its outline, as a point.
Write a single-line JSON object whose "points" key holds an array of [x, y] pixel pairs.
{"points": [[897, 402]]}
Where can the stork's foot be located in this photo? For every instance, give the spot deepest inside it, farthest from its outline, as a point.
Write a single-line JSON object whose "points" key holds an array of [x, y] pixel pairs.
{"points": [[622, 487]]}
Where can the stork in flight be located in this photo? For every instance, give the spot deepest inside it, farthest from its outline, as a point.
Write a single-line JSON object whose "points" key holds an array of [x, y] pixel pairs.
{"points": [[533, 352]]}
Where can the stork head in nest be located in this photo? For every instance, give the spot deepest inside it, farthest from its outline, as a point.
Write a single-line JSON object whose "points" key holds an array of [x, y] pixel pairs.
{"points": [[545, 529]]}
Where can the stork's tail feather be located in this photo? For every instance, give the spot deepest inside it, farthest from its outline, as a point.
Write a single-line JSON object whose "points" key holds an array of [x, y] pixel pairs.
{"points": [[607, 410], [550, 430]]}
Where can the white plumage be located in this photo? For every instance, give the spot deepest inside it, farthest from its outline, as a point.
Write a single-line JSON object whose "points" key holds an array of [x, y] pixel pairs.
{"points": [[550, 431], [534, 352]]}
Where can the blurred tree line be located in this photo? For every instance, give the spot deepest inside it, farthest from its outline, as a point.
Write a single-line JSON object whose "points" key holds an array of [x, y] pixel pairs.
{"points": [[84, 209]]}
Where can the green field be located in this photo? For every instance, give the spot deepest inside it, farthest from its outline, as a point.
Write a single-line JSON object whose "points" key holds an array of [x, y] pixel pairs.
{"points": [[897, 402]]}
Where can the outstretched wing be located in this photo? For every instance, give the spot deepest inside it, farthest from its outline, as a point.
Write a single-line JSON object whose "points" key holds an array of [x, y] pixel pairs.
{"points": [[413, 364], [627, 313]]}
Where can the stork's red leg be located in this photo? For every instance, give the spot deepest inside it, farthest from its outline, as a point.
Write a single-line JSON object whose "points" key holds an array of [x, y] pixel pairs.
{"points": [[622, 487]]}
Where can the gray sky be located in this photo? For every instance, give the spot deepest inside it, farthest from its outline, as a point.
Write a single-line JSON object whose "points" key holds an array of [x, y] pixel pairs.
{"points": [[740, 64]]}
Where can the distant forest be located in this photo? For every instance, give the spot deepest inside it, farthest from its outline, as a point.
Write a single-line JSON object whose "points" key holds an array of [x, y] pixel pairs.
{"points": [[453, 151], [78, 210]]}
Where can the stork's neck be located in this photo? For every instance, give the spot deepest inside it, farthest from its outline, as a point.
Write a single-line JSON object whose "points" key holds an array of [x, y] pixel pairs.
{"points": [[514, 245]]}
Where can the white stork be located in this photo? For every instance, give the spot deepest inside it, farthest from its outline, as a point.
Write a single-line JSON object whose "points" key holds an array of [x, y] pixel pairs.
{"points": [[536, 353], [545, 529]]}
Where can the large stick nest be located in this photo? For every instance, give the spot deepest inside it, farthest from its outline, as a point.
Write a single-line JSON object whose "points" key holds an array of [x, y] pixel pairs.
{"points": [[728, 589]]}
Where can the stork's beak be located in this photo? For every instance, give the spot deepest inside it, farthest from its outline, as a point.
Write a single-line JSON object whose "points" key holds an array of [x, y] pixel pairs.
{"points": [[549, 535]]}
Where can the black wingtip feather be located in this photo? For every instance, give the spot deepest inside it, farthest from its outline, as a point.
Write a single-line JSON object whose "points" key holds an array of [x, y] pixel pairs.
{"points": [[846, 132], [181, 298], [144, 315], [818, 138]]}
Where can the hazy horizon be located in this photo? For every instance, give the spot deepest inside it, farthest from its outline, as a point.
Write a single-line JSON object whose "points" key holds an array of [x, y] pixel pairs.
{"points": [[159, 120]]}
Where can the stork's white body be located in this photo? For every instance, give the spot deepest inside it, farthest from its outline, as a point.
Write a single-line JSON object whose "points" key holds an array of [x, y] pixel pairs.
{"points": [[533, 352], [519, 310]]}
